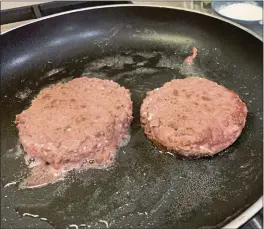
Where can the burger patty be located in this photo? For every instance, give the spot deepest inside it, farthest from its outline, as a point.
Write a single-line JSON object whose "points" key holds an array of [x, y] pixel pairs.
{"points": [[193, 116], [83, 120]]}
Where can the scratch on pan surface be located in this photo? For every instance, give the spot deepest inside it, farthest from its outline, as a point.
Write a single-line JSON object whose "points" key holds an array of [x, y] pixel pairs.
{"points": [[44, 219], [74, 225], [31, 215], [52, 72], [9, 184], [170, 154], [167, 153], [112, 32], [105, 222]]}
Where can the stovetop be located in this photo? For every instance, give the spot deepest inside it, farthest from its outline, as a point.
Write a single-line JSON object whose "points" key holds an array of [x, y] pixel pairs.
{"points": [[255, 223], [45, 9]]}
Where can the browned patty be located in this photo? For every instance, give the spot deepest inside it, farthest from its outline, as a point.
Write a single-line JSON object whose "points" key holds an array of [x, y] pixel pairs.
{"points": [[193, 116], [75, 122]]}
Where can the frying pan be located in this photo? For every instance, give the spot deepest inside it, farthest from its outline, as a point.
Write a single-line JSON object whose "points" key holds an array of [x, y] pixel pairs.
{"points": [[141, 48]]}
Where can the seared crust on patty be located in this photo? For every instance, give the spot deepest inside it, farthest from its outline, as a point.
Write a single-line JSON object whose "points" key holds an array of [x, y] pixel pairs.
{"points": [[193, 117]]}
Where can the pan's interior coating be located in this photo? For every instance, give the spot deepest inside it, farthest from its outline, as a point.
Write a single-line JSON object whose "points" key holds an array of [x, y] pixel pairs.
{"points": [[145, 189]]}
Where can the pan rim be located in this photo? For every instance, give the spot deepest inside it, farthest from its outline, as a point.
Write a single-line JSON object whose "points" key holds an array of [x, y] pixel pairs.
{"points": [[255, 207], [135, 5], [245, 215]]}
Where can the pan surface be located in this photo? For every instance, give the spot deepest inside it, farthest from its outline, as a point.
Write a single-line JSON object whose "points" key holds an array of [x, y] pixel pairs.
{"points": [[141, 48]]}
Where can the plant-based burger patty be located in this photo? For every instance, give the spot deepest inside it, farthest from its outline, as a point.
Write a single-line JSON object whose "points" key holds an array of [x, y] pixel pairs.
{"points": [[83, 120], [193, 116]]}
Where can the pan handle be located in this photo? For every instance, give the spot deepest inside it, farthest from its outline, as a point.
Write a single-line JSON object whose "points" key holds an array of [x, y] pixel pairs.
{"points": [[62, 6]]}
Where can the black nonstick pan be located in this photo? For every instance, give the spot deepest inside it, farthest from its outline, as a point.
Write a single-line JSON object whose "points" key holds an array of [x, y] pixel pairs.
{"points": [[141, 48]]}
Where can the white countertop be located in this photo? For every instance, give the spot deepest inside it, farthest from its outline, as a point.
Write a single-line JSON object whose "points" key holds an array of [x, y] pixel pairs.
{"points": [[10, 4]]}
